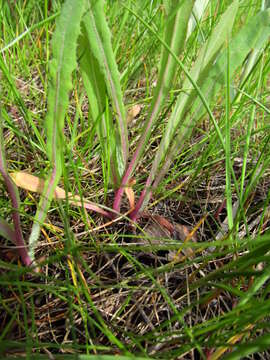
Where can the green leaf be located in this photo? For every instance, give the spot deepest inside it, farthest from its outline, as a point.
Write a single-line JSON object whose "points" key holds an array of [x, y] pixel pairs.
{"points": [[197, 13], [179, 123], [174, 37], [253, 35], [95, 87], [63, 63], [99, 39]]}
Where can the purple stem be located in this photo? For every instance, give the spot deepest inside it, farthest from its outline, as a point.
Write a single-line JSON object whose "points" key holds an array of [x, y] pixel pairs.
{"points": [[93, 207], [159, 177], [120, 191], [15, 199], [12, 190], [134, 214], [145, 135]]}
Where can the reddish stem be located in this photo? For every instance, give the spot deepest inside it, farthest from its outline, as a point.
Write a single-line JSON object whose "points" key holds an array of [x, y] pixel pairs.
{"points": [[22, 249]]}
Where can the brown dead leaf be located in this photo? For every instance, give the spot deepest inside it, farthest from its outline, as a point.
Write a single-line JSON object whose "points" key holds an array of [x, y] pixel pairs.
{"points": [[161, 231], [158, 235], [164, 223]]}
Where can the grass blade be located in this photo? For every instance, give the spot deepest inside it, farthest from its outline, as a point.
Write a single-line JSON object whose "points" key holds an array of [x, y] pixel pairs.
{"points": [[64, 45], [28, 31], [25, 112], [228, 165], [253, 34], [256, 346]]}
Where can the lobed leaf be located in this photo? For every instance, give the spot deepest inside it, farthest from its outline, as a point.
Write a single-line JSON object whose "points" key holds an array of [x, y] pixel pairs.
{"points": [[63, 63]]}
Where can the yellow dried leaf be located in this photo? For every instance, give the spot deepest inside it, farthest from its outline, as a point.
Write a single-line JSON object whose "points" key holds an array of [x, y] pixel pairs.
{"points": [[131, 197], [33, 183], [130, 193]]}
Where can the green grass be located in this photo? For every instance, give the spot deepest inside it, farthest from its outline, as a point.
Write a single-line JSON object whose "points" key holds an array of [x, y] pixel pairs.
{"points": [[105, 286]]}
